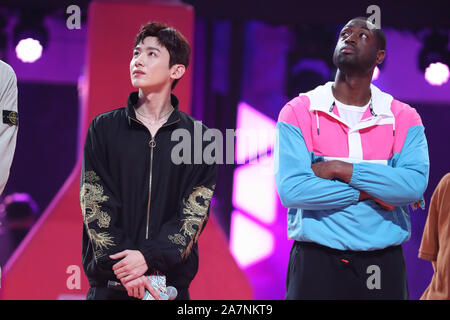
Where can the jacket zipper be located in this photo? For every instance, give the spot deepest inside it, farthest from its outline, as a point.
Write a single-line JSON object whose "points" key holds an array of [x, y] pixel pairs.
{"points": [[152, 145]]}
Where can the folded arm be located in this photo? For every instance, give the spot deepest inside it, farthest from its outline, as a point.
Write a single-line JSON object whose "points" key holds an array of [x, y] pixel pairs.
{"points": [[176, 238], [100, 202], [297, 184], [403, 183]]}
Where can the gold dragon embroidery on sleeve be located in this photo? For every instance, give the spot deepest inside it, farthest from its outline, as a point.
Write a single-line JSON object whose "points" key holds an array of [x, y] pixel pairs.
{"points": [[195, 210], [91, 197]]}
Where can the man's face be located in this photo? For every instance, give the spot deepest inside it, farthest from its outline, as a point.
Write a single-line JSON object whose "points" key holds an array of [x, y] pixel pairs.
{"points": [[149, 67], [357, 48]]}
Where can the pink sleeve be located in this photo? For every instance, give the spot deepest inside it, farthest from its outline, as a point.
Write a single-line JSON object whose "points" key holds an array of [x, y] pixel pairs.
{"points": [[296, 112], [405, 118]]}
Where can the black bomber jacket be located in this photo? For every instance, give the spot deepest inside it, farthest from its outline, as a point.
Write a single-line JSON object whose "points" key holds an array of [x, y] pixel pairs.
{"points": [[133, 196]]}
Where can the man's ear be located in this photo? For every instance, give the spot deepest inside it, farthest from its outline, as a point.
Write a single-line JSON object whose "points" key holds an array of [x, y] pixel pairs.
{"points": [[177, 71], [380, 56]]}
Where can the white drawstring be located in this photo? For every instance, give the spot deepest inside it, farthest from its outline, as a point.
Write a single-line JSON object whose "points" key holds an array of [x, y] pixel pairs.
{"points": [[318, 127], [393, 127], [317, 121]]}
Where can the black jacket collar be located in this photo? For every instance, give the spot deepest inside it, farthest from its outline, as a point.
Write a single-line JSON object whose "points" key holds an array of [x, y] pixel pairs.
{"points": [[133, 100]]}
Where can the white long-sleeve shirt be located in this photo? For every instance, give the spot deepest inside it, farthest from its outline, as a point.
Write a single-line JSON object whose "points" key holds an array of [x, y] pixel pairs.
{"points": [[8, 120]]}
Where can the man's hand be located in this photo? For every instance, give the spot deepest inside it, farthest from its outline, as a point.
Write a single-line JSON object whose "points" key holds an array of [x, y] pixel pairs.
{"points": [[323, 170], [136, 288], [131, 267], [334, 169]]}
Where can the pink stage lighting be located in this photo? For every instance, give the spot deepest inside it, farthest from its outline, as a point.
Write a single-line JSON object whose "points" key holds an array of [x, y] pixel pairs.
{"points": [[255, 133], [437, 74], [249, 242], [254, 190], [29, 50]]}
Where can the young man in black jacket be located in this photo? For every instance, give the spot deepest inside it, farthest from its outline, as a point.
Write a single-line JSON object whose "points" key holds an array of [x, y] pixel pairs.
{"points": [[142, 211]]}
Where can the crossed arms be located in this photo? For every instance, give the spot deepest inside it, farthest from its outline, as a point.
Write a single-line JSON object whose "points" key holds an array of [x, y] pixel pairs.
{"points": [[336, 184], [343, 171]]}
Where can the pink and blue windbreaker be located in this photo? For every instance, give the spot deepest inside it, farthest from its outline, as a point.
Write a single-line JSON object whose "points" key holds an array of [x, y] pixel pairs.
{"points": [[389, 152]]}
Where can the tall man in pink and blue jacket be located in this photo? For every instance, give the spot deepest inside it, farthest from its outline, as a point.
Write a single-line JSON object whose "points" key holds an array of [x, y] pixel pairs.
{"points": [[349, 159]]}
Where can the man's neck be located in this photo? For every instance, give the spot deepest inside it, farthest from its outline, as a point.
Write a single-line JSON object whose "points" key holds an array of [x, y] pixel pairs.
{"points": [[352, 89], [154, 105]]}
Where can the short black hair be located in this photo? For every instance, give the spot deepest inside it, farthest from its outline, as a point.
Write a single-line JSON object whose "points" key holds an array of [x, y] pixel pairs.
{"points": [[381, 38], [378, 32], [170, 38]]}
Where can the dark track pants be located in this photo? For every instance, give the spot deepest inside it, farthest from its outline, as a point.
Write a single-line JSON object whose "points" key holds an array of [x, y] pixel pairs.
{"points": [[318, 272]]}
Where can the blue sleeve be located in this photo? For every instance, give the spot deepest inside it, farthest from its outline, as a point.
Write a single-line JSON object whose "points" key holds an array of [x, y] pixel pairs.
{"points": [[297, 185], [404, 182]]}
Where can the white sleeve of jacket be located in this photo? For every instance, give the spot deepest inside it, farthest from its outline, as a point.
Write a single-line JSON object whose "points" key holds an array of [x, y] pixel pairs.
{"points": [[8, 131]]}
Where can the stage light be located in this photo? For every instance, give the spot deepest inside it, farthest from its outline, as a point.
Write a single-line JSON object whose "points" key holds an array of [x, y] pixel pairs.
{"points": [[434, 58], [254, 135], [30, 37], [254, 193], [437, 74], [29, 50], [250, 242]]}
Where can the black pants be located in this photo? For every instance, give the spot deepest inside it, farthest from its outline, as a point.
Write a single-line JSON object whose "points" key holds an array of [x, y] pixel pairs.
{"points": [[318, 272], [104, 293]]}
